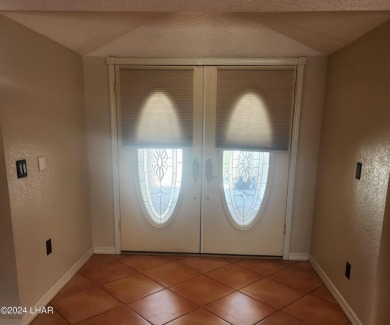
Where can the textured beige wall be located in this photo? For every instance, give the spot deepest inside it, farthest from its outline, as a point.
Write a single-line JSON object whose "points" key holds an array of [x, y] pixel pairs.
{"points": [[99, 151], [381, 300], [349, 213], [9, 290], [307, 155], [42, 113]]}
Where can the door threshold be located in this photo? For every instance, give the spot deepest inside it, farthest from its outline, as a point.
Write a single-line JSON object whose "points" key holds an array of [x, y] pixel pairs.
{"points": [[178, 254]]}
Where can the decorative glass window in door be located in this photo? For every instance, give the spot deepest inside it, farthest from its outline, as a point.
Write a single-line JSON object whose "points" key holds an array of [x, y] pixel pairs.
{"points": [[245, 178], [160, 175]]}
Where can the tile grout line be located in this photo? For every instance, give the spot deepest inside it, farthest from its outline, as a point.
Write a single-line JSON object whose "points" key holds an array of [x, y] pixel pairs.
{"points": [[198, 274], [199, 308], [265, 277], [234, 290], [105, 312]]}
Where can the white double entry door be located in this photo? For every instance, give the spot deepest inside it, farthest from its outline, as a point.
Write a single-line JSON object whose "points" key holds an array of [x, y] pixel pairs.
{"points": [[203, 158]]}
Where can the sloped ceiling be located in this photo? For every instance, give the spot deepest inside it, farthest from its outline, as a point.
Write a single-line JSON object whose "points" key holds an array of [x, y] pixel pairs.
{"points": [[195, 5], [211, 33]]}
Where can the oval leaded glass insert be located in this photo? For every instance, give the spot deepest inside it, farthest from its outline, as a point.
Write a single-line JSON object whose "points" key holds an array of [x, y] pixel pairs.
{"points": [[160, 173], [245, 176]]}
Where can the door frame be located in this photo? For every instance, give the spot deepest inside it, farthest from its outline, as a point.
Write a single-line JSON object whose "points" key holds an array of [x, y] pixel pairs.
{"points": [[299, 62]]}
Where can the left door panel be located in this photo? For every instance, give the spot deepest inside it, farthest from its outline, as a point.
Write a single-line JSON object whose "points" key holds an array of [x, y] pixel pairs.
{"points": [[159, 112]]}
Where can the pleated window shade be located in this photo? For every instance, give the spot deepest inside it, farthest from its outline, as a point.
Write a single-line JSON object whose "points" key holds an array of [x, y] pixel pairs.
{"points": [[156, 107], [254, 108]]}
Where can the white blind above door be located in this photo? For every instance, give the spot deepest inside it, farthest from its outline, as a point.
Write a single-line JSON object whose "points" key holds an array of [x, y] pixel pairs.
{"points": [[156, 106], [254, 108]]}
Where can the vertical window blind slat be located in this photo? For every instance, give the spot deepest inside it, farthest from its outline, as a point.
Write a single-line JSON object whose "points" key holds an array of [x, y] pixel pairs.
{"points": [[254, 108], [156, 107]]}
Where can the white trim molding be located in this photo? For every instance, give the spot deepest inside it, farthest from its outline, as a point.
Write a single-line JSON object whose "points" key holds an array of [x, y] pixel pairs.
{"points": [[298, 256], [55, 289], [354, 319], [205, 62], [114, 156], [104, 250], [299, 62], [293, 156]]}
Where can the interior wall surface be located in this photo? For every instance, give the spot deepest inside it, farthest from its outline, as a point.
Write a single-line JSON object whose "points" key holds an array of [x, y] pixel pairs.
{"points": [[349, 212], [307, 155], [97, 108], [42, 114], [380, 312], [9, 288]]}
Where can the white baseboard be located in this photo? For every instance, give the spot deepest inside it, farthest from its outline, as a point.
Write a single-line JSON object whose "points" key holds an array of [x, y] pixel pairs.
{"points": [[298, 257], [10, 322], [56, 288], [336, 294], [104, 250]]}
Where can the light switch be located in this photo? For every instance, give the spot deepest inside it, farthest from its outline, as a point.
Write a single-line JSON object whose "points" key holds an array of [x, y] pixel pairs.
{"points": [[21, 168], [42, 163]]}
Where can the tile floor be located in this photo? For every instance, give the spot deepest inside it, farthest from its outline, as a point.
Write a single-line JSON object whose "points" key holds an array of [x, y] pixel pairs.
{"points": [[180, 290]]}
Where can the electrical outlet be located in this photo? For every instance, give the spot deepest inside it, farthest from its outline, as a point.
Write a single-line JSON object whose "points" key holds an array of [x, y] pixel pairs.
{"points": [[347, 270], [49, 248]]}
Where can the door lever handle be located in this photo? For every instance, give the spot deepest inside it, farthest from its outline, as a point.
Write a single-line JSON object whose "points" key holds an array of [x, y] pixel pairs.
{"points": [[195, 169], [209, 171]]}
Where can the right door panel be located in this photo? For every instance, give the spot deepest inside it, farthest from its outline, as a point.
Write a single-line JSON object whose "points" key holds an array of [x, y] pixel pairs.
{"points": [[247, 115]]}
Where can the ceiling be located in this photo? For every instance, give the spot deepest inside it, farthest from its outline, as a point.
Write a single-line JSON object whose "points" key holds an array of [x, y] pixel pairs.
{"points": [[195, 5], [199, 28]]}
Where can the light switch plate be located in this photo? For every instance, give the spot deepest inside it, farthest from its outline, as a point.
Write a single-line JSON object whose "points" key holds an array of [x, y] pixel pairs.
{"points": [[358, 173], [21, 168], [42, 163]]}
